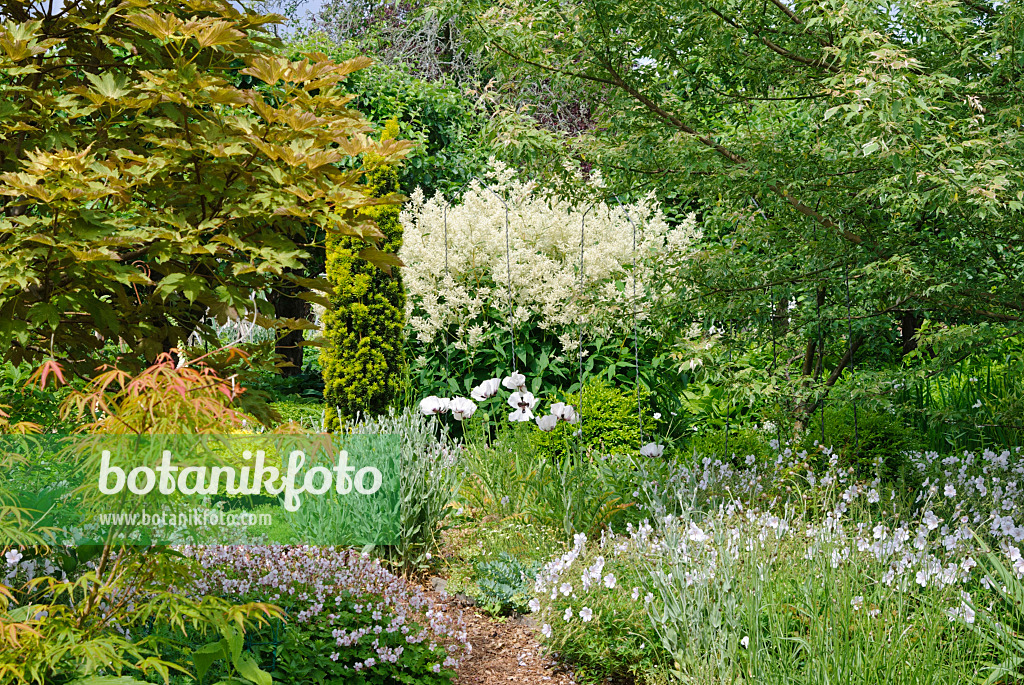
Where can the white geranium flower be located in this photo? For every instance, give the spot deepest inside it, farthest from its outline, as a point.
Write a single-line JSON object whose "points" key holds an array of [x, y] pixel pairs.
{"points": [[432, 405], [567, 616], [546, 630], [516, 381], [745, 642], [586, 614], [486, 390], [547, 422], [564, 412], [461, 408], [523, 403], [13, 557], [609, 581], [534, 605], [652, 449], [949, 490]]}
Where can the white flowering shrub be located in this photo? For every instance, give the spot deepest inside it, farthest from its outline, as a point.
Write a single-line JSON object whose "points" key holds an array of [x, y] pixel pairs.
{"points": [[462, 295]]}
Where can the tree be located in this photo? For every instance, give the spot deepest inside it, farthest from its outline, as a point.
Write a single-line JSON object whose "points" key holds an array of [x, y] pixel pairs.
{"points": [[830, 143], [159, 164], [363, 357]]}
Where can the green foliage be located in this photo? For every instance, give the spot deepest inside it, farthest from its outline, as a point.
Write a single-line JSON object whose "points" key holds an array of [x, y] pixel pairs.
{"points": [[363, 358], [306, 414], [439, 116], [25, 401], [877, 445], [144, 191], [978, 403], [610, 423], [1003, 628], [557, 490], [733, 446], [505, 584]]}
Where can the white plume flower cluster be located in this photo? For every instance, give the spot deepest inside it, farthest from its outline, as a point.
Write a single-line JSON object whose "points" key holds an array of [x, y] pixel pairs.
{"points": [[467, 289]]}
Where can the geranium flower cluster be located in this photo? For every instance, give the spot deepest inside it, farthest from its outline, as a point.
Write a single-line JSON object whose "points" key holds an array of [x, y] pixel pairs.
{"points": [[713, 515], [371, 620], [522, 401], [533, 269]]}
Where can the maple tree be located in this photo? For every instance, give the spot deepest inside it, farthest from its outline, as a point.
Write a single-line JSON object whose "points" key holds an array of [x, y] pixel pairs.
{"points": [[160, 169]]}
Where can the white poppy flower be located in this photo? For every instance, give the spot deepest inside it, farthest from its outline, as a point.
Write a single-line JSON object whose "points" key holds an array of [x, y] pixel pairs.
{"points": [[486, 390], [652, 449], [432, 405], [462, 408], [565, 412], [516, 381], [523, 403], [547, 423]]}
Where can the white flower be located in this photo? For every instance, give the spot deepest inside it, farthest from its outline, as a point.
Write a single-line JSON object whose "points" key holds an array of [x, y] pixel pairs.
{"points": [[931, 520], [567, 616], [977, 405], [486, 390], [547, 422], [922, 578], [546, 630], [461, 408], [433, 405], [857, 602], [635, 595], [873, 496], [516, 381], [13, 557], [586, 614], [564, 412], [534, 605], [566, 589], [949, 490], [523, 403], [745, 642], [652, 450], [657, 415], [609, 581]]}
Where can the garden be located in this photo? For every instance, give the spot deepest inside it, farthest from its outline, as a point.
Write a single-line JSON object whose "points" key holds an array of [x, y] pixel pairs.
{"points": [[533, 341]]}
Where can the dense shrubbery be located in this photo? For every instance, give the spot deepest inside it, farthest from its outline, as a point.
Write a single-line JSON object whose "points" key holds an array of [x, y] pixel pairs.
{"points": [[610, 423]]}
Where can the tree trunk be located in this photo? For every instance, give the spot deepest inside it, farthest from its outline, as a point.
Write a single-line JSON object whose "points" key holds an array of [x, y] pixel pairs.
{"points": [[288, 306]]}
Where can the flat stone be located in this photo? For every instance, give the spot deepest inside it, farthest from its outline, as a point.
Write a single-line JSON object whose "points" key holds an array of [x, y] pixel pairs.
{"points": [[438, 584]]}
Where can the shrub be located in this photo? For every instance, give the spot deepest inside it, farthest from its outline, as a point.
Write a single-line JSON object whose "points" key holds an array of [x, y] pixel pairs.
{"points": [[879, 439], [610, 423], [363, 358], [734, 446]]}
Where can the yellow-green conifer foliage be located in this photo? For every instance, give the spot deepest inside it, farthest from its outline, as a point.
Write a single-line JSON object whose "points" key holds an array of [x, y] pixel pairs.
{"points": [[363, 359]]}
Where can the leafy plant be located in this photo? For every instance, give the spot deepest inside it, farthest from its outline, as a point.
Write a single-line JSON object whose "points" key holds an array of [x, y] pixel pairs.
{"points": [[175, 180], [363, 357], [505, 584]]}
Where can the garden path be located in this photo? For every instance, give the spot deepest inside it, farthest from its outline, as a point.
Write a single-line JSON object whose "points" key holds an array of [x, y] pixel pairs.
{"points": [[504, 651]]}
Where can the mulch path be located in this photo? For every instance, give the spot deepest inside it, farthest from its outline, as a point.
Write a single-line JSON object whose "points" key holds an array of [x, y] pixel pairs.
{"points": [[504, 651]]}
